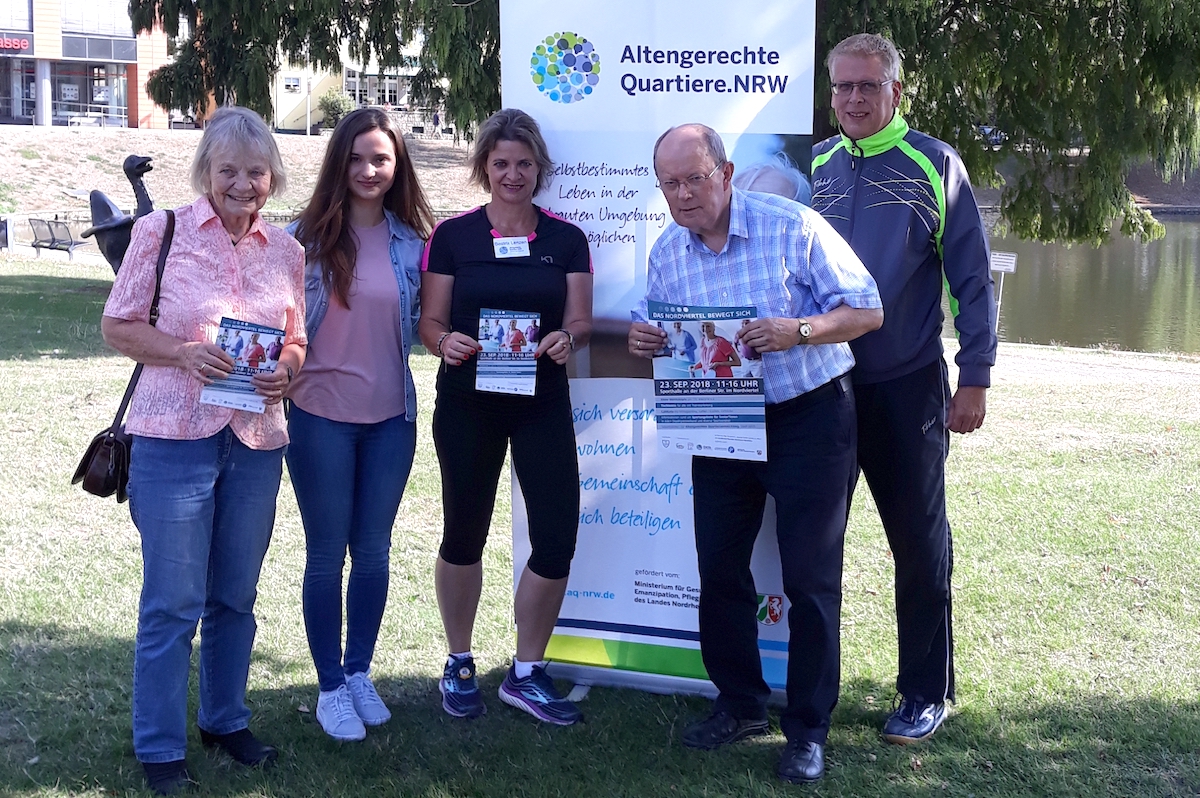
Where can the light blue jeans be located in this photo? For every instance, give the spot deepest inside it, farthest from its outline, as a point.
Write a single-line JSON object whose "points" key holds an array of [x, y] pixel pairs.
{"points": [[349, 479], [205, 510]]}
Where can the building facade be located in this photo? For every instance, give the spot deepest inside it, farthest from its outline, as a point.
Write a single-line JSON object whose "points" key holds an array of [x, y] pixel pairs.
{"points": [[77, 62], [299, 87]]}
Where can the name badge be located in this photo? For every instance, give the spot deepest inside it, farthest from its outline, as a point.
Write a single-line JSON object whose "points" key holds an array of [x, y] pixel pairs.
{"points": [[511, 247]]}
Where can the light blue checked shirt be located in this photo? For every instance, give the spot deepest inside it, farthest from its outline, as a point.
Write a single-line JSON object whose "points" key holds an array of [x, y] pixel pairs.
{"points": [[780, 257]]}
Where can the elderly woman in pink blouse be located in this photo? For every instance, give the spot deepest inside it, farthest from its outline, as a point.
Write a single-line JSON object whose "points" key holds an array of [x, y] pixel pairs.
{"points": [[204, 478]]}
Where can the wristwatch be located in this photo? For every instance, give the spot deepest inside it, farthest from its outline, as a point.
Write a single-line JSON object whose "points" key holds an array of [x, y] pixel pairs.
{"points": [[805, 331]]}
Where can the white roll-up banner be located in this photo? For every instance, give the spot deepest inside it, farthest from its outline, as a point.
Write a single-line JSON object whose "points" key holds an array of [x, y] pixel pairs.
{"points": [[604, 81]]}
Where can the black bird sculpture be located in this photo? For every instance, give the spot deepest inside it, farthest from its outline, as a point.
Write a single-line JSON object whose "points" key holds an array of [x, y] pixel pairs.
{"points": [[111, 227]]}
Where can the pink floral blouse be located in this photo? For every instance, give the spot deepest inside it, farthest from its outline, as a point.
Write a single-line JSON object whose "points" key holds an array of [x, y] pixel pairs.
{"points": [[261, 281]]}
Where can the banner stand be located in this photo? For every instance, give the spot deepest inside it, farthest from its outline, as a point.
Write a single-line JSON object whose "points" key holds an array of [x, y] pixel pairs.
{"points": [[604, 82], [646, 682]]}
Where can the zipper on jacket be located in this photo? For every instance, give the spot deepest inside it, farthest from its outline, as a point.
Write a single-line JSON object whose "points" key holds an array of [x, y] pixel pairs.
{"points": [[856, 153]]}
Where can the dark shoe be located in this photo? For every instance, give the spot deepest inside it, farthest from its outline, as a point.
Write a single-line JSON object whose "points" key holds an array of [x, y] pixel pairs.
{"points": [[537, 695], [913, 722], [720, 728], [243, 746], [460, 690], [803, 762], [167, 778]]}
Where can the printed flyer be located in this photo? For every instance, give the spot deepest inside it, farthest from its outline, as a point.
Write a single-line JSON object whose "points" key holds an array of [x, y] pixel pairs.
{"points": [[255, 350], [708, 389], [509, 338]]}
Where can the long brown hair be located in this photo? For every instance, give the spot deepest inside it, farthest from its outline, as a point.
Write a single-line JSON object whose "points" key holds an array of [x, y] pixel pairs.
{"points": [[322, 228]]}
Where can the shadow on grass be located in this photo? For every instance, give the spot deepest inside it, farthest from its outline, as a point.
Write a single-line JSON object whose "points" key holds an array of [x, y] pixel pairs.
{"points": [[64, 727], [49, 316]]}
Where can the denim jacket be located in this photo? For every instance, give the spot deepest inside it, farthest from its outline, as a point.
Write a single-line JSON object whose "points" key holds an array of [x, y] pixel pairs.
{"points": [[405, 249]]}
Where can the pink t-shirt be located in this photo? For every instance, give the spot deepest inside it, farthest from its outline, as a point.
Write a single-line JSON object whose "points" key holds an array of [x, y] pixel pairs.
{"points": [[718, 350], [354, 371], [261, 281]]}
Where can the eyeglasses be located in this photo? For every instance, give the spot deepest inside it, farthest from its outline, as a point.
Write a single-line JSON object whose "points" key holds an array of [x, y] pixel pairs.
{"points": [[867, 88], [694, 183]]}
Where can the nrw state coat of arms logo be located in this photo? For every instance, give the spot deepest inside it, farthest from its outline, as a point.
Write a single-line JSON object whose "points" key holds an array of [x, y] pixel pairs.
{"points": [[770, 609]]}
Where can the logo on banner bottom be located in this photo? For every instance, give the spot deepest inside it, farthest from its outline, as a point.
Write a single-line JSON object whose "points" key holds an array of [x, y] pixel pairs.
{"points": [[770, 609], [565, 67]]}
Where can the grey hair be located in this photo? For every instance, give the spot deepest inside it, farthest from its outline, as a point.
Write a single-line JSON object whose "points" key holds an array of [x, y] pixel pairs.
{"points": [[236, 129], [511, 124], [712, 142], [868, 45], [781, 165]]}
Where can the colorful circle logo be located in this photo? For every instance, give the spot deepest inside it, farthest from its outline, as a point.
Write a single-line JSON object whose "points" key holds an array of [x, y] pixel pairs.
{"points": [[565, 67]]}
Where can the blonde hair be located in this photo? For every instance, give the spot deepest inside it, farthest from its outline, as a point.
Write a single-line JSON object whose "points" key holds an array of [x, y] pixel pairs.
{"points": [[236, 129], [511, 124], [868, 45]]}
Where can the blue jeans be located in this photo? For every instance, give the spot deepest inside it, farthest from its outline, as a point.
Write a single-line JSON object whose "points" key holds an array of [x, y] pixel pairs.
{"points": [[205, 510], [349, 479]]}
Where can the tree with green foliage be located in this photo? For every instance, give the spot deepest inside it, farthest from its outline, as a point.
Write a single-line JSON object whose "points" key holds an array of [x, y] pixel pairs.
{"points": [[230, 53], [1082, 89], [233, 49]]}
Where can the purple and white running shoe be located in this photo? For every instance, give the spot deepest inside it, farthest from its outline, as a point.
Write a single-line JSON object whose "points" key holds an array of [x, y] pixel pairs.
{"points": [[537, 695]]}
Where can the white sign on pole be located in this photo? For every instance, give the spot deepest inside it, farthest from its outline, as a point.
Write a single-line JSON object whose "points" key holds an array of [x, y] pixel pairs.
{"points": [[604, 81], [1004, 262]]}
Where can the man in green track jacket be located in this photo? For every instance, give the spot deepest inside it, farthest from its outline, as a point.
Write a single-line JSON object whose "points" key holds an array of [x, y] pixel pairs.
{"points": [[903, 200]]}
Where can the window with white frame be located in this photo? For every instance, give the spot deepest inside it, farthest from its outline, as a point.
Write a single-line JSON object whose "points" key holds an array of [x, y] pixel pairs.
{"points": [[15, 15], [98, 17]]}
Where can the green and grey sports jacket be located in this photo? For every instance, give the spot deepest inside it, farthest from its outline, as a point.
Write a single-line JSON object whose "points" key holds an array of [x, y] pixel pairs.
{"points": [[904, 202]]}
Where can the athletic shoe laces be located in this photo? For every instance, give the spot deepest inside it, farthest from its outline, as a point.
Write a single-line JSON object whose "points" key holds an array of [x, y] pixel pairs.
{"points": [[343, 706], [539, 687]]}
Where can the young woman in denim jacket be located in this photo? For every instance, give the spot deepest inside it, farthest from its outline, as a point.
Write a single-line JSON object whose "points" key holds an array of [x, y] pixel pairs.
{"points": [[354, 408]]}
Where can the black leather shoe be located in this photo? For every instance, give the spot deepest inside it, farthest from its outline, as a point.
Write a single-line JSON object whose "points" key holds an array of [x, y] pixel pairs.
{"points": [[243, 746], [720, 728], [167, 778], [802, 762]]}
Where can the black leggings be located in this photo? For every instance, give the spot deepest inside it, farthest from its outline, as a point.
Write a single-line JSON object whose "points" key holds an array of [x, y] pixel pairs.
{"points": [[471, 431]]}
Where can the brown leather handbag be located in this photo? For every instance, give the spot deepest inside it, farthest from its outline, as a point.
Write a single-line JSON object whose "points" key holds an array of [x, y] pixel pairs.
{"points": [[104, 469]]}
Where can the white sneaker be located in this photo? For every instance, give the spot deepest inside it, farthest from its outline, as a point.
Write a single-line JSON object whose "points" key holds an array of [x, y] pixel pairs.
{"points": [[335, 713], [367, 703]]}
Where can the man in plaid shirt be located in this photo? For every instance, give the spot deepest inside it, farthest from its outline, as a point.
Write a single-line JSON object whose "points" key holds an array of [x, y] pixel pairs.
{"points": [[733, 248]]}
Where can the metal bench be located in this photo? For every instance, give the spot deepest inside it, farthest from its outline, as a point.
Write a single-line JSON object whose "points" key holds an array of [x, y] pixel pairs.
{"points": [[49, 234]]}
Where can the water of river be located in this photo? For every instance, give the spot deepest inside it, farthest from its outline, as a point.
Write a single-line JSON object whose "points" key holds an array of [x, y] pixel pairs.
{"points": [[1127, 295], [1142, 297]]}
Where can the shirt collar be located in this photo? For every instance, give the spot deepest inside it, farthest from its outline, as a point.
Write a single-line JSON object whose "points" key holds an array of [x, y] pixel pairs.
{"points": [[205, 214], [738, 225], [882, 141], [398, 228]]}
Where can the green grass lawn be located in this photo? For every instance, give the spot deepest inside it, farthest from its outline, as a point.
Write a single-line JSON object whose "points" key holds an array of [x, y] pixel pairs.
{"points": [[1077, 590]]}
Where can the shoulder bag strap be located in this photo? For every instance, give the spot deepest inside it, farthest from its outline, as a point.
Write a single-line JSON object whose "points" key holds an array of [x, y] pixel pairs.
{"points": [[168, 235]]}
